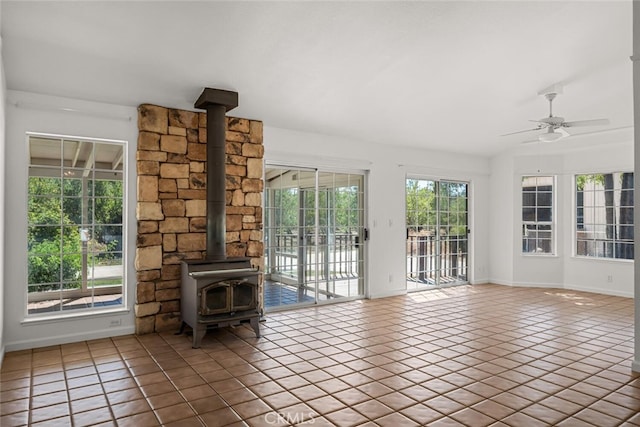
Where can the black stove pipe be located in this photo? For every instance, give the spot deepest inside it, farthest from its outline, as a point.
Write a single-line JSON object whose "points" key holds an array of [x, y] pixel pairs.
{"points": [[217, 102]]}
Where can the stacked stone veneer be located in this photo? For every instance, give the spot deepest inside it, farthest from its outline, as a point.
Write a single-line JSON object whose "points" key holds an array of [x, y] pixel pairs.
{"points": [[171, 204]]}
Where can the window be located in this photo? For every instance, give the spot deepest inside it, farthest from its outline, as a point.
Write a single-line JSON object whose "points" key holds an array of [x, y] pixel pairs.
{"points": [[604, 215], [537, 215], [75, 233]]}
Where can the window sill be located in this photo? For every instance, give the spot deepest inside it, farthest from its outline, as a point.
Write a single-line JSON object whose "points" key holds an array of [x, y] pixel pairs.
{"points": [[601, 259], [50, 318]]}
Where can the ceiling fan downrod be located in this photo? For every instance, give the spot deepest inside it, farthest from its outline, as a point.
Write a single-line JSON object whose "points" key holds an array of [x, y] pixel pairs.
{"points": [[550, 96]]}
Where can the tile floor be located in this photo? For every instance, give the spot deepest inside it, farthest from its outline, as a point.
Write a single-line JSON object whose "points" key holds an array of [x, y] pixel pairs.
{"points": [[469, 355]]}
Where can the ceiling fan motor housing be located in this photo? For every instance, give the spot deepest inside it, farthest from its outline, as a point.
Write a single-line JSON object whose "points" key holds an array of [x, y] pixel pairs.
{"points": [[553, 120]]}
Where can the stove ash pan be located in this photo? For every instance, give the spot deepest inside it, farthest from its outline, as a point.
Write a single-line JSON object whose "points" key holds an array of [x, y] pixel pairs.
{"points": [[221, 293]]}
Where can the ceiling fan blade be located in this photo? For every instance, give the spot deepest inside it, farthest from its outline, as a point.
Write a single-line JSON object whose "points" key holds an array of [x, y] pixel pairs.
{"points": [[594, 122], [522, 131], [563, 132]]}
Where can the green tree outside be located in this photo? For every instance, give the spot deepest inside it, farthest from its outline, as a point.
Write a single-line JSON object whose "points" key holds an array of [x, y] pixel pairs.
{"points": [[55, 219]]}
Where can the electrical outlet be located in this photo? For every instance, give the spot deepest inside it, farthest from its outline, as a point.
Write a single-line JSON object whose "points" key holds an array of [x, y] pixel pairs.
{"points": [[390, 278], [610, 278], [116, 322]]}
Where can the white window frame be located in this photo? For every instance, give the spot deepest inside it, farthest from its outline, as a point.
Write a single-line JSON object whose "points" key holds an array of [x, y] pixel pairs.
{"points": [[552, 224], [95, 309], [616, 207]]}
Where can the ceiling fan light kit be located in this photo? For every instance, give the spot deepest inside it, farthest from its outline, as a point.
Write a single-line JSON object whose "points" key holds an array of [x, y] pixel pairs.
{"points": [[549, 136]]}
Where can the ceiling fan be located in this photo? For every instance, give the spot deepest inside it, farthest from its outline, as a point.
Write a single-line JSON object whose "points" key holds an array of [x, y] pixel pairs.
{"points": [[555, 126]]}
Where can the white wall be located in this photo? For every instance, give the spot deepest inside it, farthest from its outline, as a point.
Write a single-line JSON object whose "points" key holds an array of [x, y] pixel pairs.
{"points": [[501, 202], [27, 112], [587, 274], [387, 169], [604, 152], [495, 207], [3, 89], [636, 213], [537, 270]]}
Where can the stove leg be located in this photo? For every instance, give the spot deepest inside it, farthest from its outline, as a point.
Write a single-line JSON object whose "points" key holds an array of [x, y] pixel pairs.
{"points": [[255, 324], [198, 334], [182, 326]]}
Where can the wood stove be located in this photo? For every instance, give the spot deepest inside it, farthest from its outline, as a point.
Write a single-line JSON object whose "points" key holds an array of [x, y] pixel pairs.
{"points": [[218, 291]]}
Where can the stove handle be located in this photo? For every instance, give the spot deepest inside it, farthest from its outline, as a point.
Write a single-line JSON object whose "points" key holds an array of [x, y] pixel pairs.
{"points": [[199, 274]]}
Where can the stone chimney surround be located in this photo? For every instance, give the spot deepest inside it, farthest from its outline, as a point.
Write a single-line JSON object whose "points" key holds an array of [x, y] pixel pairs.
{"points": [[171, 204]]}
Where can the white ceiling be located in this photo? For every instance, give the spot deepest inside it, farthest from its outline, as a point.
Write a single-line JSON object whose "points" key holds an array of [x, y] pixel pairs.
{"points": [[447, 75]]}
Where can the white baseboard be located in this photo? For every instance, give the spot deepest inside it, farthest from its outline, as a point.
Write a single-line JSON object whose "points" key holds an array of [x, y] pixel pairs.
{"points": [[566, 286], [70, 338], [392, 293], [538, 285], [1, 355], [603, 291], [500, 282]]}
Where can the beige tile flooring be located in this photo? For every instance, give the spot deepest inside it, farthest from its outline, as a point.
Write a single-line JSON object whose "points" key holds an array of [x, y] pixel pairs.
{"points": [[470, 355]]}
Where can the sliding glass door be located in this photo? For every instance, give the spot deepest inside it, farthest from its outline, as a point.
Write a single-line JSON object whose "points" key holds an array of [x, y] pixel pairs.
{"points": [[314, 236], [437, 233]]}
